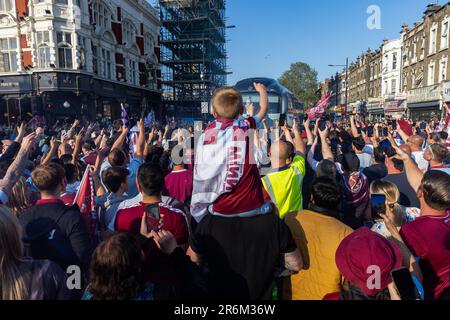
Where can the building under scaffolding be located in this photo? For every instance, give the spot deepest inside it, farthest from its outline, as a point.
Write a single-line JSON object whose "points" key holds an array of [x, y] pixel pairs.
{"points": [[193, 54]]}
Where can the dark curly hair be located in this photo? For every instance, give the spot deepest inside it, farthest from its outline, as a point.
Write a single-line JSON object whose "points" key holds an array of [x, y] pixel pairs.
{"points": [[117, 269]]}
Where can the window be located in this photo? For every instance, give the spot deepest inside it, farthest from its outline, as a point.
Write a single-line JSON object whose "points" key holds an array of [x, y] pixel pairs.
{"points": [[64, 37], [443, 70], [129, 32], [131, 68], [82, 50], [43, 50], [414, 50], [386, 88], [8, 55], [393, 86], [44, 56], [101, 15], [394, 61], [107, 64], [42, 37], [62, 2], [64, 40], [148, 44], [431, 74], [65, 57], [444, 35], [6, 5], [433, 34]]}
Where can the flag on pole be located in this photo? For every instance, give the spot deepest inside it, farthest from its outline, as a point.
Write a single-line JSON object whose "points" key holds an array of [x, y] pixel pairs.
{"points": [[86, 202], [320, 107], [124, 115], [150, 119]]}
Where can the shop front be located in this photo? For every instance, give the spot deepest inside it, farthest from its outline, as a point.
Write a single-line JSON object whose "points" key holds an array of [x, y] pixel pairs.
{"points": [[395, 109], [68, 95], [425, 103], [375, 109], [16, 99]]}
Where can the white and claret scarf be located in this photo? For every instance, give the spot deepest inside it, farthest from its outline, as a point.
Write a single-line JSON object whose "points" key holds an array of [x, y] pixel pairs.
{"points": [[219, 163]]}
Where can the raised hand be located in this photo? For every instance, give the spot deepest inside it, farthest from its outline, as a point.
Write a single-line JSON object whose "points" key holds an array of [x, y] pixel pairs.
{"points": [[54, 143], [165, 241], [259, 87], [29, 141], [251, 109]]}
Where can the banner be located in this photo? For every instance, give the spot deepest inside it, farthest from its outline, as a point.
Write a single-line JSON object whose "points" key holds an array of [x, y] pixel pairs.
{"points": [[321, 106], [86, 202], [150, 119], [124, 115]]}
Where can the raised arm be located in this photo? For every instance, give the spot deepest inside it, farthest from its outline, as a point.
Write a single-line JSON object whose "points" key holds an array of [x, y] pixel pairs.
{"points": [[413, 173], [72, 128], [21, 132], [312, 151], [99, 189], [120, 140], [309, 134], [326, 149], [16, 169], [52, 153], [299, 145], [77, 149], [263, 100], [141, 140], [355, 132]]}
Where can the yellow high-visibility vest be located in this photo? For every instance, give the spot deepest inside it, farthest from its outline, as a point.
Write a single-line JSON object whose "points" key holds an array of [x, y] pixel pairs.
{"points": [[284, 186]]}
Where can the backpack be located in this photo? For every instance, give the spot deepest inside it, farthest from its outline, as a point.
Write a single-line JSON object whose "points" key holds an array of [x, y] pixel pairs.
{"points": [[51, 244]]}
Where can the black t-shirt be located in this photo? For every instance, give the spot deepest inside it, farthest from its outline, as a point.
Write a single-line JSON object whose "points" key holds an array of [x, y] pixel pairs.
{"points": [[375, 172], [242, 254], [408, 197]]}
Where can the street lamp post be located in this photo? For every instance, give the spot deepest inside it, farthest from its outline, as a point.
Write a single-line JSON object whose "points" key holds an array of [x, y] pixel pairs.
{"points": [[346, 83]]}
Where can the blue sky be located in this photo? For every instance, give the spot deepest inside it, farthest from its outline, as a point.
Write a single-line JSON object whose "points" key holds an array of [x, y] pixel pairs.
{"points": [[272, 34]]}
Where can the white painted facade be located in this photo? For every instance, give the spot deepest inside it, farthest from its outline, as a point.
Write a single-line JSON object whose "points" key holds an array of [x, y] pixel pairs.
{"points": [[391, 68], [61, 35]]}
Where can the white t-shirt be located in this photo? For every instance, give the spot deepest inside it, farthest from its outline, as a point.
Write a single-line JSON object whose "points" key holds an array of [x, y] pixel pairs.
{"points": [[420, 161]]}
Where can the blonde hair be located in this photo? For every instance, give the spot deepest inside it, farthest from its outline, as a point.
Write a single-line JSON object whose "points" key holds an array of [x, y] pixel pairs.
{"points": [[392, 194], [20, 198], [387, 189], [11, 252], [227, 103]]}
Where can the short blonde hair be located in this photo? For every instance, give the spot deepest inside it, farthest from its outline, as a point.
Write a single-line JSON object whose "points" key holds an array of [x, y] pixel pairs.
{"points": [[227, 103]]}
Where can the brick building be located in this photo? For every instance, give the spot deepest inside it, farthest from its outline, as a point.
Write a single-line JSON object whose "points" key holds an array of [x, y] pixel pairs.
{"points": [[78, 58]]}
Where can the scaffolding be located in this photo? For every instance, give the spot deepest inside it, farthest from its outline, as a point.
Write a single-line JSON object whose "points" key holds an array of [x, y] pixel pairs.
{"points": [[193, 53]]}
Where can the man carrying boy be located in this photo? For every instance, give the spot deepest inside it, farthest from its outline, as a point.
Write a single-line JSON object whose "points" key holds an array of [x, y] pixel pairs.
{"points": [[237, 237]]}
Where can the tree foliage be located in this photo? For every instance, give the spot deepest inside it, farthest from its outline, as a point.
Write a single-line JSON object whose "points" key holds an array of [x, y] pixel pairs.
{"points": [[301, 80]]}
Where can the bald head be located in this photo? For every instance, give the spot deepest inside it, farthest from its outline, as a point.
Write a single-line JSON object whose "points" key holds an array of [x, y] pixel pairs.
{"points": [[407, 149], [416, 143], [281, 153], [280, 150]]}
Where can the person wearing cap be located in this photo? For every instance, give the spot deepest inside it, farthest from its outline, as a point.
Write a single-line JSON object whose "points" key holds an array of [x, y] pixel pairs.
{"points": [[358, 253], [427, 237], [355, 188], [317, 233]]}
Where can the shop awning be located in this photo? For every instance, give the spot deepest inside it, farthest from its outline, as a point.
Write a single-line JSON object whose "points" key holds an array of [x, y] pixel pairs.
{"points": [[429, 104]]}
